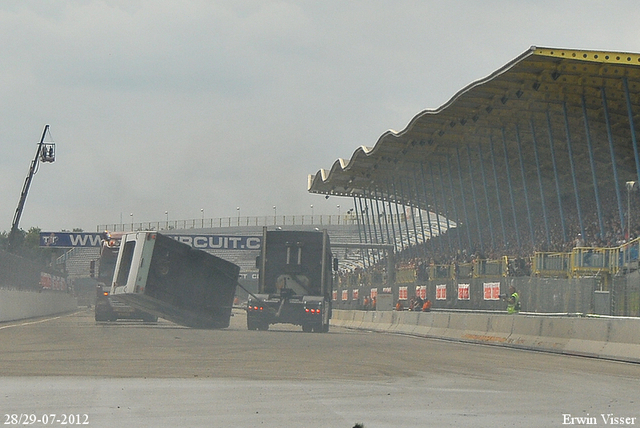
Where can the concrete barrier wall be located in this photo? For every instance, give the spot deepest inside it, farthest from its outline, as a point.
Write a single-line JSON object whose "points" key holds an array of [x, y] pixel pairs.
{"points": [[601, 337], [19, 304]]}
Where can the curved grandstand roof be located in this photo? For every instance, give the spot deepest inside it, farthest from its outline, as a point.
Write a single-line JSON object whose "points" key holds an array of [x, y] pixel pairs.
{"points": [[537, 139]]}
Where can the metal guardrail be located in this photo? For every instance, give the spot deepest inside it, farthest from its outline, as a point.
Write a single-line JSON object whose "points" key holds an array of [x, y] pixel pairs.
{"points": [[552, 264], [584, 261]]}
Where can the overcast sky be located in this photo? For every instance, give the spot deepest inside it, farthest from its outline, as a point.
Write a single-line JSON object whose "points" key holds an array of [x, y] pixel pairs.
{"points": [[180, 106]]}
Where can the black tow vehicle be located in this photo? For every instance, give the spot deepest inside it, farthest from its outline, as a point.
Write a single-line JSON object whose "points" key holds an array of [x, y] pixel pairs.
{"points": [[295, 281]]}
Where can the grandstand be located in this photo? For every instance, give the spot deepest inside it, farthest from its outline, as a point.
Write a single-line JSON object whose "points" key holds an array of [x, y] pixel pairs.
{"points": [[539, 158], [77, 261], [540, 153]]}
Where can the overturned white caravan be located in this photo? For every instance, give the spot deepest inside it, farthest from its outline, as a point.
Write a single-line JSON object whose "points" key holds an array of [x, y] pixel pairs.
{"points": [[161, 276]]}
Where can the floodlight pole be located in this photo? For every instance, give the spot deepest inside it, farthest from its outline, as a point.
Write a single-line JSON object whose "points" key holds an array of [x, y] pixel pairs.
{"points": [[25, 190]]}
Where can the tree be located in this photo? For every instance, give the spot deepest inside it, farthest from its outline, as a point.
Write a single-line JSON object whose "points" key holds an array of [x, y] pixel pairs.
{"points": [[27, 245], [4, 240]]}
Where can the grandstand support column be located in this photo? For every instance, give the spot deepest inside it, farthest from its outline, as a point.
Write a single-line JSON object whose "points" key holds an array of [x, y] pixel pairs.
{"points": [[365, 217], [557, 179], [355, 207], [453, 200], [445, 206], [632, 126], [435, 204], [399, 219], [404, 211], [369, 205], [366, 212], [391, 267], [524, 186], [413, 219], [573, 167], [593, 166], [424, 238], [384, 213], [364, 229], [631, 186], [393, 229], [376, 214], [464, 200], [614, 165], [475, 201], [486, 195], [495, 178], [426, 204], [542, 199], [510, 184], [368, 221], [373, 217]]}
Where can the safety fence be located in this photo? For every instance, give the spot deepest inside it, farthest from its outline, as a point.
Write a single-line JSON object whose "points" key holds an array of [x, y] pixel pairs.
{"points": [[586, 261], [18, 273], [479, 268], [543, 295], [585, 280]]}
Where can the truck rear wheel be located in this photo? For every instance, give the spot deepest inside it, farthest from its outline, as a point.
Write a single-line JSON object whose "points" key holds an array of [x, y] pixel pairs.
{"points": [[263, 326], [251, 325], [319, 328], [102, 315], [149, 318]]}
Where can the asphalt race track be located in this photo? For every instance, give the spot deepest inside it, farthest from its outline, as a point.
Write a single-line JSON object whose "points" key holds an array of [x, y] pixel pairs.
{"points": [[162, 375]]}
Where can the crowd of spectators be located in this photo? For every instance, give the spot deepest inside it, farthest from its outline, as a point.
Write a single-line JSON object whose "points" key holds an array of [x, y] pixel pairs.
{"points": [[457, 246]]}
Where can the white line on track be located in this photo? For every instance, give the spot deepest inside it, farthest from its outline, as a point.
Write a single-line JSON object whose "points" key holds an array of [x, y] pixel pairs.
{"points": [[34, 322]]}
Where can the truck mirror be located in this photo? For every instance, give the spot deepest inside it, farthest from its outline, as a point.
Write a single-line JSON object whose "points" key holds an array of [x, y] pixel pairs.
{"points": [[335, 264], [258, 262]]}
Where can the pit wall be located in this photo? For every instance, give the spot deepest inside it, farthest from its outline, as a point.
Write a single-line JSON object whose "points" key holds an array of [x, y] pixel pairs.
{"points": [[600, 337], [20, 304]]}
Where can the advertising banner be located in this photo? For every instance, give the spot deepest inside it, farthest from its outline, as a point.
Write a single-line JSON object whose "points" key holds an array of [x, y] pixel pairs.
{"points": [[70, 239], [441, 292], [463, 291], [220, 242], [52, 282], [374, 293], [345, 295], [201, 242], [402, 293], [354, 294], [491, 290], [334, 295], [421, 291]]}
